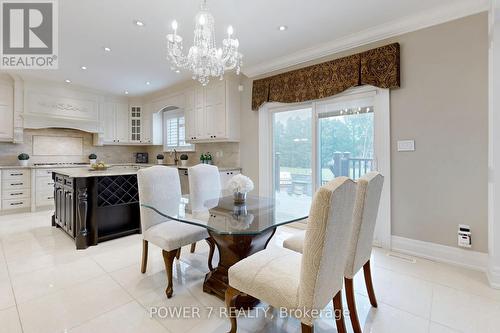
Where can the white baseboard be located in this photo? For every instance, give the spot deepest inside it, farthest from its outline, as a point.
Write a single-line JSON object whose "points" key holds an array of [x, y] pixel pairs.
{"points": [[493, 275], [446, 254]]}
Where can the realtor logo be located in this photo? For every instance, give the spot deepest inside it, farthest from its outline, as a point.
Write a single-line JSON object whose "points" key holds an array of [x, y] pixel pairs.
{"points": [[29, 34]]}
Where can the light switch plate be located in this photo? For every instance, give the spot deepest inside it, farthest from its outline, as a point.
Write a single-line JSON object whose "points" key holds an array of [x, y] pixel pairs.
{"points": [[406, 145]]}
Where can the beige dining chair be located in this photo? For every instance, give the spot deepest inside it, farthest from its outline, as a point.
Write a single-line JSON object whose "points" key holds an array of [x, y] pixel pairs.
{"points": [[360, 248], [284, 278], [160, 187], [204, 190]]}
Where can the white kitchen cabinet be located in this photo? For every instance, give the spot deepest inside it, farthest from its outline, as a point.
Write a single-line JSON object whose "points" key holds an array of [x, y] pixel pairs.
{"points": [[215, 115], [16, 189], [225, 177], [108, 118], [157, 128], [6, 112], [122, 123], [147, 126], [44, 188], [190, 114], [136, 124], [115, 119]]}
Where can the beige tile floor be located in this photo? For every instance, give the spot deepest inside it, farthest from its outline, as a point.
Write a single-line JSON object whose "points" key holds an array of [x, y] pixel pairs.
{"points": [[48, 286]]}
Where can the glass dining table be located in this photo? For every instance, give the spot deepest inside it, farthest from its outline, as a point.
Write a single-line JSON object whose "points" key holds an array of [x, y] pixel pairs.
{"points": [[238, 230]]}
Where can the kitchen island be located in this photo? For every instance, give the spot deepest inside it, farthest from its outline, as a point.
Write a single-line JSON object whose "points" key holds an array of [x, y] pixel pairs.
{"points": [[96, 206]]}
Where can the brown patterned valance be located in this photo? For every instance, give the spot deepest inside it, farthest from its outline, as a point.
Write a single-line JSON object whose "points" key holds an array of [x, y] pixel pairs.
{"points": [[378, 67]]}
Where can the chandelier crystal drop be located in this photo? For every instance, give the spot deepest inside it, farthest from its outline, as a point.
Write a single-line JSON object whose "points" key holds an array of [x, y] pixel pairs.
{"points": [[204, 59]]}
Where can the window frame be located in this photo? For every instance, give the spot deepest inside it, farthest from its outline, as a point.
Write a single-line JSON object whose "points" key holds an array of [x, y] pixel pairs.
{"points": [[169, 114]]}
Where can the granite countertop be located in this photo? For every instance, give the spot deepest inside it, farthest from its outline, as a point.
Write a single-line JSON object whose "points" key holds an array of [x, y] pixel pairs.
{"points": [[43, 166], [86, 172], [112, 164], [115, 170]]}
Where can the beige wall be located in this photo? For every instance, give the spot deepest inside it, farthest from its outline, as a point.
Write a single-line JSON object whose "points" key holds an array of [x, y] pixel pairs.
{"points": [[442, 105]]}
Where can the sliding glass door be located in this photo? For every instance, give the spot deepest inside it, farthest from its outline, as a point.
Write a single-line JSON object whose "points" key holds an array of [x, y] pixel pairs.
{"points": [[347, 135], [345, 140], [316, 142], [292, 157]]}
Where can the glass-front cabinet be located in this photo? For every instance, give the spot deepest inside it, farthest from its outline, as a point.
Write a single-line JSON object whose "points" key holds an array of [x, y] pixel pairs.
{"points": [[135, 124]]}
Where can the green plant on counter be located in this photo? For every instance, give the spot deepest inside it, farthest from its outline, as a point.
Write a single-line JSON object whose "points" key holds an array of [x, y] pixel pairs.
{"points": [[184, 157], [92, 157], [23, 157], [160, 157]]}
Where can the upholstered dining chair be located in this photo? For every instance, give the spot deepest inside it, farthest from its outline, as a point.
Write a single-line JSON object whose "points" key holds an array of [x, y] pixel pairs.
{"points": [[303, 284], [360, 248], [204, 189], [159, 186]]}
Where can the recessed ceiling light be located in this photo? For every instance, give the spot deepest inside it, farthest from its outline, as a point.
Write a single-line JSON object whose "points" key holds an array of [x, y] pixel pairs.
{"points": [[177, 71], [148, 83], [126, 92], [107, 49], [139, 23], [282, 27], [67, 81], [84, 67]]}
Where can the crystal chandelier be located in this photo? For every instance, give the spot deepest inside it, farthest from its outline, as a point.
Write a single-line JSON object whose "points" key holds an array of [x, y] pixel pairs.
{"points": [[204, 59]]}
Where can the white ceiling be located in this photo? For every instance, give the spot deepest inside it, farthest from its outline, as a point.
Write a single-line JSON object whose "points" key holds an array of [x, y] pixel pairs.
{"points": [[138, 53]]}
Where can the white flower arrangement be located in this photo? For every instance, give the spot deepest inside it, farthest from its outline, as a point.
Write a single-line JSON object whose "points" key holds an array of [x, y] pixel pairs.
{"points": [[240, 183]]}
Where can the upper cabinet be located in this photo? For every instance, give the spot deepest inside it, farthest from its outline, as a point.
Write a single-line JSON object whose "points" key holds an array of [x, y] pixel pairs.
{"points": [[6, 112], [115, 123], [213, 112], [136, 125]]}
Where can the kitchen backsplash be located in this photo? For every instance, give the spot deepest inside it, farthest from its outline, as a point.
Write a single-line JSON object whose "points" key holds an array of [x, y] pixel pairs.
{"points": [[225, 154], [109, 154]]}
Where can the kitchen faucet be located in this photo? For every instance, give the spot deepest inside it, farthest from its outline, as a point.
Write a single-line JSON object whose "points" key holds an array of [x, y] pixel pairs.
{"points": [[176, 160]]}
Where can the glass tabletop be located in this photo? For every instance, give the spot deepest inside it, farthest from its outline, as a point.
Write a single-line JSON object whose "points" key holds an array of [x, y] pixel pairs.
{"points": [[223, 216]]}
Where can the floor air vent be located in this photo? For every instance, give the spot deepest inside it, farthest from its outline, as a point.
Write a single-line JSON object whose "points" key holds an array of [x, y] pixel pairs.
{"points": [[402, 257]]}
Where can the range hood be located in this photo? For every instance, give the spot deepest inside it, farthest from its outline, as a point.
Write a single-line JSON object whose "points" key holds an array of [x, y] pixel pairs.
{"points": [[52, 110], [39, 121]]}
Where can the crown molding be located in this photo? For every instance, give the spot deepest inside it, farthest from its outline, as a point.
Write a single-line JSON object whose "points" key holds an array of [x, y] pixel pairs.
{"points": [[397, 27]]}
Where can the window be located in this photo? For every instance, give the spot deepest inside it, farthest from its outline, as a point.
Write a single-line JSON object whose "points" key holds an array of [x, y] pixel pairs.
{"points": [[174, 131]]}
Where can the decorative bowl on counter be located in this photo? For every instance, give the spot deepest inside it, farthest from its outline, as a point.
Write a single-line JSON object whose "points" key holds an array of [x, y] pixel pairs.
{"points": [[98, 166]]}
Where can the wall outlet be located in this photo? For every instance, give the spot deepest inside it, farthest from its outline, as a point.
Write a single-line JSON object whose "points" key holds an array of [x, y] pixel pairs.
{"points": [[464, 236]]}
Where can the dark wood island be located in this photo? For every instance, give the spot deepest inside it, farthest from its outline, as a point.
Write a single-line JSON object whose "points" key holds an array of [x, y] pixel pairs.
{"points": [[96, 206]]}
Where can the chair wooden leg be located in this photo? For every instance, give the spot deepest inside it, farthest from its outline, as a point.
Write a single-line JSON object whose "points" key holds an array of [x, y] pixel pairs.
{"points": [[178, 254], [144, 264], [351, 305], [339, 313], [230, 298], [193, 247], [211, 244], [369, 284], [168, 258], [307, 328]]}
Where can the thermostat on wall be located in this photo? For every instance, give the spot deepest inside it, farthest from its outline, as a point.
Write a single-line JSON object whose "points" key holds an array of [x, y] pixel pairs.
{"points": [[406, 145]]}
